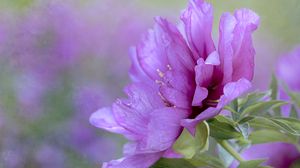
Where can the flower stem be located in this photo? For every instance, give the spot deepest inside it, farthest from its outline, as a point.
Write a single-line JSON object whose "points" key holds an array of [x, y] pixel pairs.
{"points": [[230, 150]]}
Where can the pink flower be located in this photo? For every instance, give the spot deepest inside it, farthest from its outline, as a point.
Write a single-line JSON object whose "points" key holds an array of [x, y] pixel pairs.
{"points": [[277, 154], [287, 71], [180, 80]]}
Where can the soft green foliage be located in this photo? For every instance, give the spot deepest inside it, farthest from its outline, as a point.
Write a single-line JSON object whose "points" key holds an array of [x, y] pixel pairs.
{"points": [[199, 160], [251, 164], [252, 104], [294, 113], [16, 4], [222, 130], [205, 160], [173, 163], [224, 155], [295, 96], [286, 125], [274, 88], [261, 107], [188, 145], [264, 136]]}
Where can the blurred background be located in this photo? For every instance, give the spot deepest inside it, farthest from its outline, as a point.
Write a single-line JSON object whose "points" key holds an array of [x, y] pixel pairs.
{"points": [[62, 60]]}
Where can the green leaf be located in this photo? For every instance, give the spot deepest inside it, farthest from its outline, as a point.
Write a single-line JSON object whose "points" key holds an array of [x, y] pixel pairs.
{"points": [[274, 88], [262, 123], [188, 146], [245, 119], [261, 107], [226, 157], [251, 164], [244, 129], [225, 120], [234, 106], [230, 109], [204, 160], [294, 113], [252, 99], [288, 125], [274, 94], [295, 96], [237, 106], [265, 136], [185, 144], [172, 163], [202, 137], [222, 130]]}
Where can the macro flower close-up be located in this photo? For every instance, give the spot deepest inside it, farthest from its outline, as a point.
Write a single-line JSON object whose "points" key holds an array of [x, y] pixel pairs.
{"points": [[205, 83], [178, 82]]}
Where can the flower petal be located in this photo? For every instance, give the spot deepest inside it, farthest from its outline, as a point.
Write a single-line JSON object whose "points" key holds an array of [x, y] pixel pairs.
{"points": [[288, 68], [136, 72], [170, 153], [103, 118], [133, 114], [163, 49], [175, 97], [213, 58], [186, 84], [200, 94], [233, 90], [164, 127], [235, 44], [198, 20], [277, 154], [243, 58], [204, 73], [227, 24]]}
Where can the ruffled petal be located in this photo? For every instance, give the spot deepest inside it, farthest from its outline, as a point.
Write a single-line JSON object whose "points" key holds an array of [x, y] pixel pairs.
{"points": [[162, 49], [151, 57], [103, 118], [288, 68], [198, 20], [133, 114], [136, 72], [200, 94], [227, 24], [178, 53], [186, 84], [204, 73], [233, 90], [243, 58], [235, 45], [175, 97], [177, 93], [163, 129]]}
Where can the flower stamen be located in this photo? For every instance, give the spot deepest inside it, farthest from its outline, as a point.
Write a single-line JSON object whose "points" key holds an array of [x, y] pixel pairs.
{"points": [[169, 67], [166, 102], [160, 73]]}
